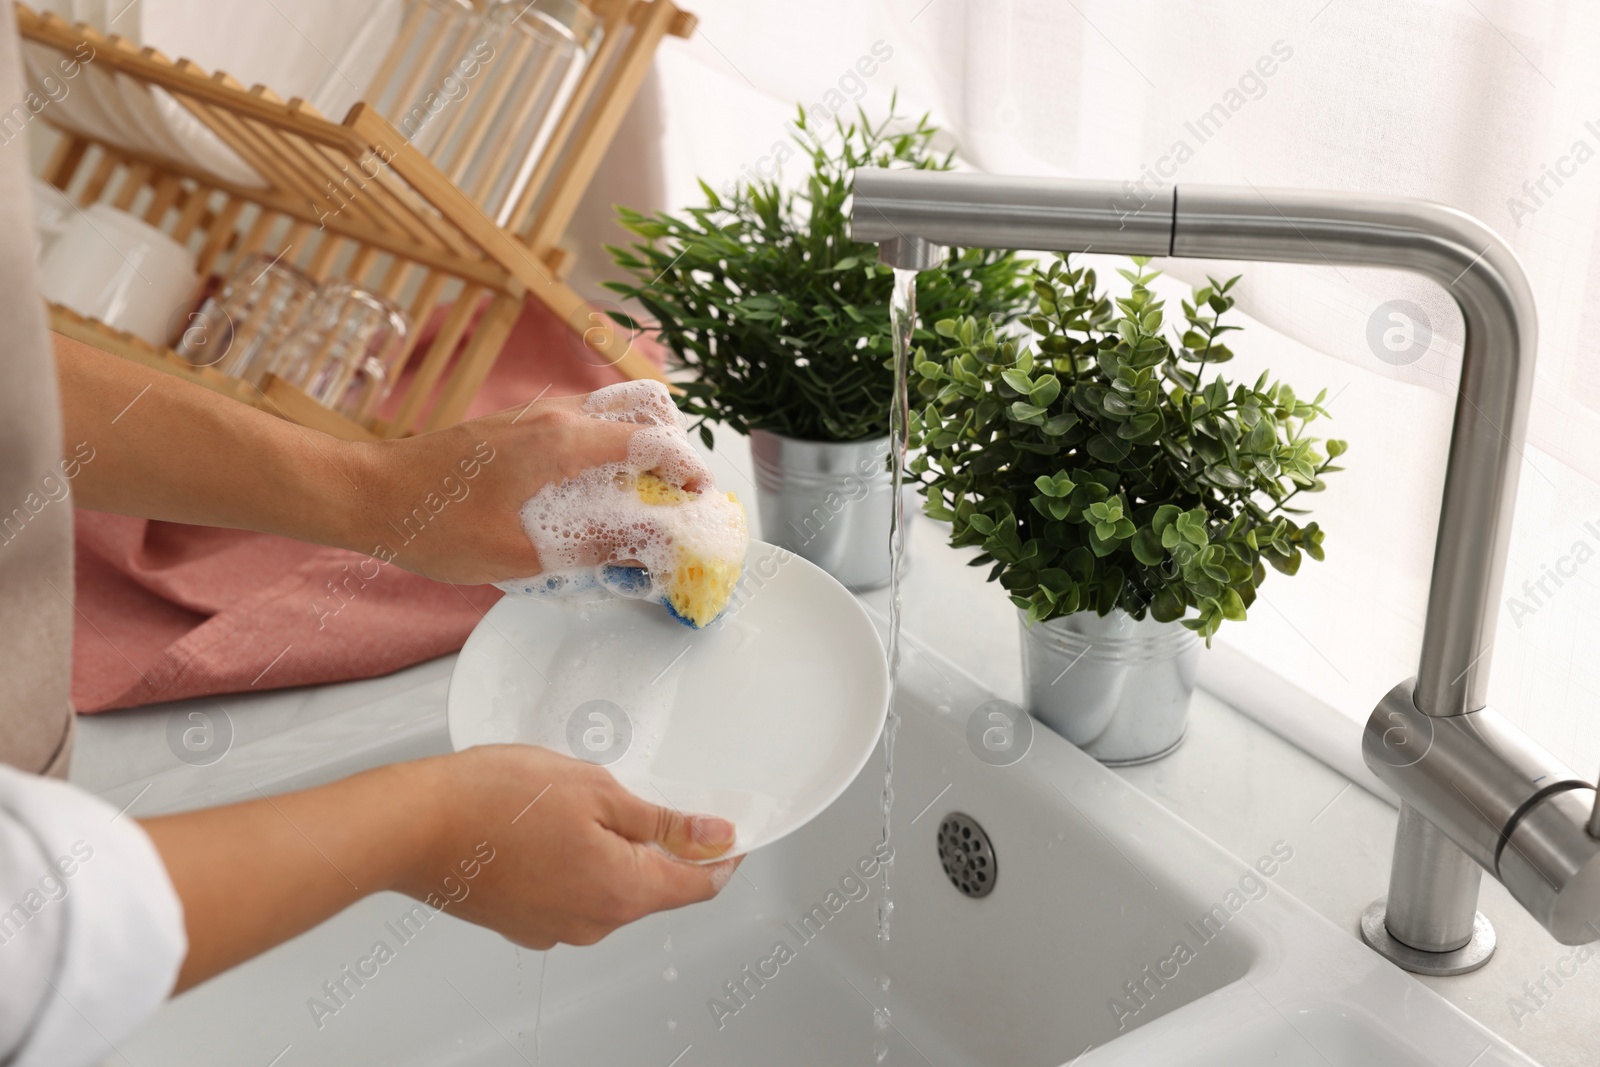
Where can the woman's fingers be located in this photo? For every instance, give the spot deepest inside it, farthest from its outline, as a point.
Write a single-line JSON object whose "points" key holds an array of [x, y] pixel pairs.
{"points": [[668, 455], [661, 839], [693, 837], [643, 402], [674, 884], [657, 441]]}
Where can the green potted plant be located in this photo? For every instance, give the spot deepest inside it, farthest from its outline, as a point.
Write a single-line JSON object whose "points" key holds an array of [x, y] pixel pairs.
{"points": [[1125, 495], [785, 321]]}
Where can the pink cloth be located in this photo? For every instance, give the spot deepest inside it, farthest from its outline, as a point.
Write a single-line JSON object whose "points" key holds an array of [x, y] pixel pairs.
{"points": [[167, 611]]}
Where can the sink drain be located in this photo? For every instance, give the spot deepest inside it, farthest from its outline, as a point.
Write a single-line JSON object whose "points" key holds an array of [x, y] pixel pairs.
{"points": [[966, 855]]}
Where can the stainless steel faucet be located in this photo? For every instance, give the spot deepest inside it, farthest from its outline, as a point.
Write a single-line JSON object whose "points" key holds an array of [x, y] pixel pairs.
{"points": [[1476, 794]]}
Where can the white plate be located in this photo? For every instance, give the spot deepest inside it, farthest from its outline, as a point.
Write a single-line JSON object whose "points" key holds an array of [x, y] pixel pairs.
{"points": [[77, 109], [203, 147], [323, 52], [125, 106], [763, 718], [326, 53]]}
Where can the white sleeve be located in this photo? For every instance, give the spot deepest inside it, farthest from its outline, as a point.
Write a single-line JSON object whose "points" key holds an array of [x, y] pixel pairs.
{"points": [[91, 930]]}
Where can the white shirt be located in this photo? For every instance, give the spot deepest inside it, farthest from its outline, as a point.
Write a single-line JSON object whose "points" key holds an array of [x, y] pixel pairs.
{"points": [[91, 930]]}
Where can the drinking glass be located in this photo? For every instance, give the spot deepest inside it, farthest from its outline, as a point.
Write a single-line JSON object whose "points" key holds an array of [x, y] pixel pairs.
{"points": [[545, 48], [346, 350], [420, 80], [241, 330]]}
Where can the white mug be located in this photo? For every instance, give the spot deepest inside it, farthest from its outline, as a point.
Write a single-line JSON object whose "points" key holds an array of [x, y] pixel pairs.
{"points": [[115, 267]]}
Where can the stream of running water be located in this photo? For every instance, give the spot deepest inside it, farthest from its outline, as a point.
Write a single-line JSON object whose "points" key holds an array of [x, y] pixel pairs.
{"points": [[902, 320]]}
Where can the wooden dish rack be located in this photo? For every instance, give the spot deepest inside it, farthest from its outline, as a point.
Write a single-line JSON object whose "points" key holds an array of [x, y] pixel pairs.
{"points": [[409, 235]]}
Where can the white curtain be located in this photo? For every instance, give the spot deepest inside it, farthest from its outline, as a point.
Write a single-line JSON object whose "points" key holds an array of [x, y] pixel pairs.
{"points": [[1490, 106]]}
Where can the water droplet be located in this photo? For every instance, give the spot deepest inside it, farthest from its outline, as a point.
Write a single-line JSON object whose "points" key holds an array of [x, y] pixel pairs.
{"points": [[672, 1025], [668, 946], [880, 1019], [880, 1051], [670, 974], [883, 983]]}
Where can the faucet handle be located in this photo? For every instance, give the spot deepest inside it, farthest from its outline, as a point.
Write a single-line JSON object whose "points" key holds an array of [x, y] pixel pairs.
{"points": [[1504, 801]]}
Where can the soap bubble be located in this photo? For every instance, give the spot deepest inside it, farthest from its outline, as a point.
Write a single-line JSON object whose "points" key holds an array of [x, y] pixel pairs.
{"points": [[657, 510]]}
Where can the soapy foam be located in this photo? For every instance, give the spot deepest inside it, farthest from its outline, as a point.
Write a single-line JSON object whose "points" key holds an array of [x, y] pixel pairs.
{"points": [[659, 508]]}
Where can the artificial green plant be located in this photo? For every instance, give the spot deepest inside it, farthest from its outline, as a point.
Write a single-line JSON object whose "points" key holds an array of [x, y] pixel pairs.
{"points": [[1098, 465], [782, 316]]}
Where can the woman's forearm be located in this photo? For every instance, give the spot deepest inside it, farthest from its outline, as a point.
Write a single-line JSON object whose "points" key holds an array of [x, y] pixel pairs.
{"points": [[254, 874], [165, 448]]}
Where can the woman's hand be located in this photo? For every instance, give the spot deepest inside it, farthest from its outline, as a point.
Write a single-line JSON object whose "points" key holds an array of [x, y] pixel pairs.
{"points": [[538, 846], [445, 504], [556, 849]]}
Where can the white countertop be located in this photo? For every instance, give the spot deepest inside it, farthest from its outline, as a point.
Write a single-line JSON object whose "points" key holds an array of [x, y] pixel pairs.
{"points": [[1233, 779]]}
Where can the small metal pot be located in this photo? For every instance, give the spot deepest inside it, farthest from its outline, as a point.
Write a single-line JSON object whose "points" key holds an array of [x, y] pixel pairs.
{"points": [[827, 502], [1116, 687]]}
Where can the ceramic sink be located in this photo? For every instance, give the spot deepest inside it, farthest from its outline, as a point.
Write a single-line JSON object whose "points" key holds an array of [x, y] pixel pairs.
{"points": [[1114, 934]]}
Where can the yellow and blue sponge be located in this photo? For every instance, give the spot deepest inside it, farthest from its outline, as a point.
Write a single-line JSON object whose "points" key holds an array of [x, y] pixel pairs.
{"points": [[702, 576], [688, 546]]}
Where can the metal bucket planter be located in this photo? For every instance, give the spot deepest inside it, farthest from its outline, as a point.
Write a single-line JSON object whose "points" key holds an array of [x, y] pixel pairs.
{"points": [[827, 502], [1116, 687]]}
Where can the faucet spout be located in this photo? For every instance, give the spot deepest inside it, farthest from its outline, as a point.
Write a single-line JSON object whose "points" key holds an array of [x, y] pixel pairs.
{"points": [[1481, 273], [1457, 251], [1467, 794]]}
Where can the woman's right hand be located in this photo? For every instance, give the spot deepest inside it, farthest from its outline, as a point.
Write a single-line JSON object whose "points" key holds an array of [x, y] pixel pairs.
{"points": [[544, 848], [488, 468]]}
